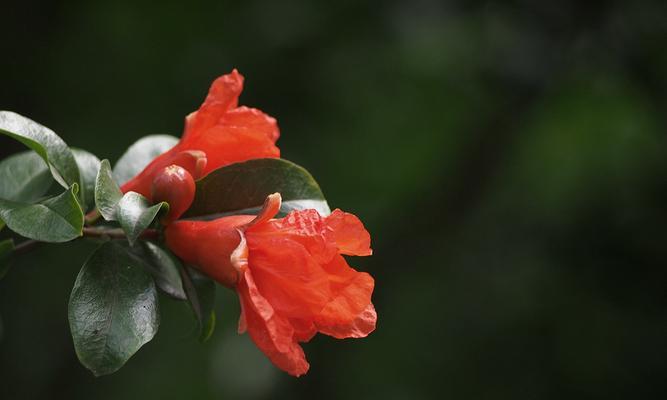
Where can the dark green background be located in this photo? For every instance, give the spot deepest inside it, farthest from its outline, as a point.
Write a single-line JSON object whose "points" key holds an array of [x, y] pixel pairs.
{"points": [[508, 159]]}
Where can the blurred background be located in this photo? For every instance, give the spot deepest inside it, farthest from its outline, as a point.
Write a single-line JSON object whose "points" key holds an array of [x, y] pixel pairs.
{"points": [[508, 159]]}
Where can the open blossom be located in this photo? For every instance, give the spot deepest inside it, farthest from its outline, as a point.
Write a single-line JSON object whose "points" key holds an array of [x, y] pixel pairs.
{"points": [[218, 134], [289, 273]]}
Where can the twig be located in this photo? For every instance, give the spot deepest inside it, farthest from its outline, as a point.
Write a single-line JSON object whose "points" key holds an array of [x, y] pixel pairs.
{"points": [[26, 246], [116, 233], [92, 217]]}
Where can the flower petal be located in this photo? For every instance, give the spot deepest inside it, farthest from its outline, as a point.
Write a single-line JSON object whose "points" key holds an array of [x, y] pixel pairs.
{"points": [[225, 146], [350, 312], [272, 333], [251, 121], [288, 276], [270, 208], [350, 235], [306, 227], [304, 330], [222, 96]]}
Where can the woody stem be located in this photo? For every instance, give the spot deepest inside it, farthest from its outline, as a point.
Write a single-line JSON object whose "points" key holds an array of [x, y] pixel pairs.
{"points": [[115, 233]]}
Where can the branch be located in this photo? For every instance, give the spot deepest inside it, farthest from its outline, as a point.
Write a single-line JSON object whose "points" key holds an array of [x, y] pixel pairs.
{"points": [[25, 247], [115, 233]]}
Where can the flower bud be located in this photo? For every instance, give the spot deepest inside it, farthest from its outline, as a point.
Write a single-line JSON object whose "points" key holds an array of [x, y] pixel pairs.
{"points": [[174, 185]]}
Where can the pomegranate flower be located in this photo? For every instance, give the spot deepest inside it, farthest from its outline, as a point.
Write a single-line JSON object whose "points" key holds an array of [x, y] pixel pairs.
{"points": [[218, 134], [289, 273], [176, 186]]}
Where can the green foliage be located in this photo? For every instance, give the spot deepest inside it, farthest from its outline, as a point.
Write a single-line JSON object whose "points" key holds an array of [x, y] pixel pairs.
{"points": [[135, 214], [163, 265], [107, 192], [56, 219], [113, 309], [200, 291], [88, 165], [241, 188], [24, 176], [140, 154], [45, 142]]}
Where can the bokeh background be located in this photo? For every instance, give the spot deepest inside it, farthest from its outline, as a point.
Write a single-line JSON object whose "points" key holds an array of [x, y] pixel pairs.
{"points": [[507, 157]]}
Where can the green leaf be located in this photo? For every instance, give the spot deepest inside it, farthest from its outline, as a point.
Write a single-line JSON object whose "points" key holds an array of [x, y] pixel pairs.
{"points": [[164, 267], [243, 187], [6, 249], [201, 294], [135, 214], [88, 165], [45, 142], [113, 309], [107, 192], [140, 154], [25, 177], [56, 219]]}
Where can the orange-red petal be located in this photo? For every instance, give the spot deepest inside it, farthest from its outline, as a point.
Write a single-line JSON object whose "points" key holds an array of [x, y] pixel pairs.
{"points": [[222, 96], [272, 333], [224, 146], [288, 276], [350, 235], [347, 314]]}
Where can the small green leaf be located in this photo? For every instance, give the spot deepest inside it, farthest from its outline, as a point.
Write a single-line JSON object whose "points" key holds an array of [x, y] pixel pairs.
{"points": [[6, 249], [113, 309], [45, 142], [25, 177], [201, 294], [107, 192], [88, 165], [243, 187], [56, 219], [164, 267], [140, 154], [135, 214]]}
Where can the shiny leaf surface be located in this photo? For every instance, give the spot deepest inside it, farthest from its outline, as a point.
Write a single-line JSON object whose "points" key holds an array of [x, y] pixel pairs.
{"points": [[24, 177], [243, 187], [45, 142], [113, 309], [56, 219], [135, 214], [88, 165], [107, 192], [164, 267]]}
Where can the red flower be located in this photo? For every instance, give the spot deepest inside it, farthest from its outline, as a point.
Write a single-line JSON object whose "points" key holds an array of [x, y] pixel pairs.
{"points": [[218, 134], [290, 275]]}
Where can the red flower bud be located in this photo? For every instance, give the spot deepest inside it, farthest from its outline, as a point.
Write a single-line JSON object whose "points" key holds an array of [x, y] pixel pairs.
{"points": [[289, 273], [175, 186], [221, 131]]}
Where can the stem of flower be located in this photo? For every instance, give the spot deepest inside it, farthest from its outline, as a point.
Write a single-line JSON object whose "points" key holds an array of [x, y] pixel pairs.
{"points": [[92, 217], [115, 233], [25, 247]]}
